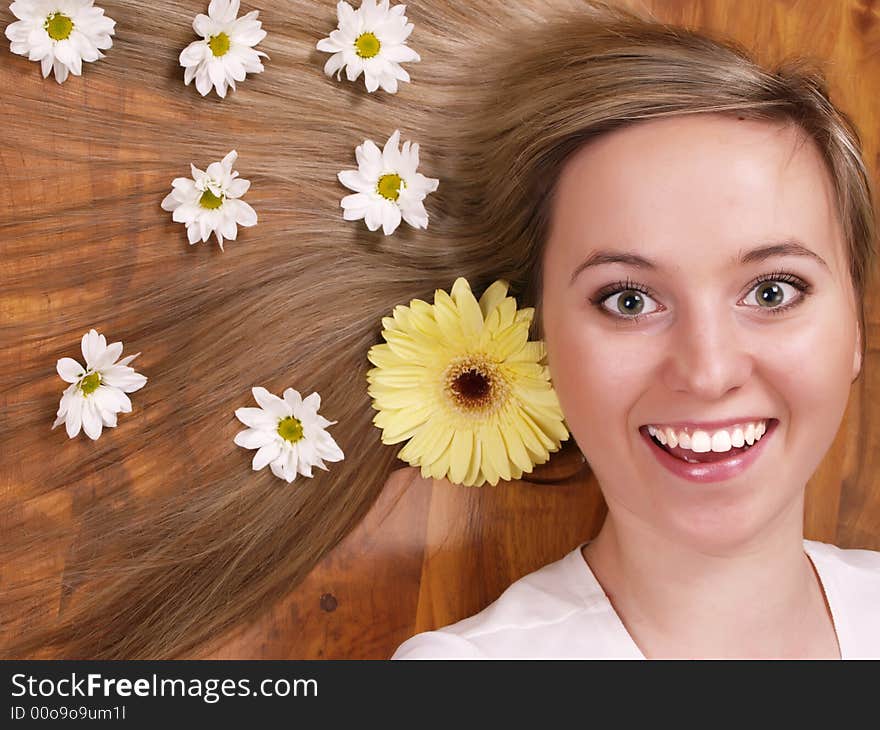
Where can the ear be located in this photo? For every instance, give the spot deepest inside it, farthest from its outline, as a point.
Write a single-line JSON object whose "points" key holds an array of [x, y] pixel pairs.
{"points": [[857, 355]]}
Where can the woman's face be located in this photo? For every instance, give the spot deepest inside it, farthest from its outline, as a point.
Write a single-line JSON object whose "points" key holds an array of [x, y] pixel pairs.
{"points": [[693, 195]]}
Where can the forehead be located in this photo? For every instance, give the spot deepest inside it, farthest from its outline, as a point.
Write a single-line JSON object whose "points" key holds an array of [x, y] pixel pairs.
{"points": [[692, 186]]}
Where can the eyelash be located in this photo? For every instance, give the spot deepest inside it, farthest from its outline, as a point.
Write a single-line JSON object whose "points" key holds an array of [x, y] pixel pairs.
{"points": [[803, 287]]}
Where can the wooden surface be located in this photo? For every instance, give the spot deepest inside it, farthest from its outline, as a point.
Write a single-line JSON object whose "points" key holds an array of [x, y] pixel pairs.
{"points": [[429, 553]]}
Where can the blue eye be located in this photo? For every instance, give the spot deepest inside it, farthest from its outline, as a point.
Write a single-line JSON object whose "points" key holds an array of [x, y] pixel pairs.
{"points": [[630, 298]]}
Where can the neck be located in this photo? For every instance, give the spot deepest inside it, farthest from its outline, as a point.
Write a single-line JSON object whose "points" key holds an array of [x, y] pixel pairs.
{"points": [[683, 596]]}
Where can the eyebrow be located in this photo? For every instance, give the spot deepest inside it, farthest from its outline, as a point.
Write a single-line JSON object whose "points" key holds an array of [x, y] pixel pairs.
{"points": [[787, 247]]}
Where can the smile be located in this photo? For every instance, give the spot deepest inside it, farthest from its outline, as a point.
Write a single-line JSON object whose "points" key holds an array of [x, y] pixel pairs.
{"points": [[709, 466]]}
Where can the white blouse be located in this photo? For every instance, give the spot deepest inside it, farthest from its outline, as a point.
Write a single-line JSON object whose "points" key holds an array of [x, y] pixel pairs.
{"points": [[561, 612]]}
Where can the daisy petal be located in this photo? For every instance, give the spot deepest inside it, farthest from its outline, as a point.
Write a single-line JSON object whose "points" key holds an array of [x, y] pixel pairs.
{"points": [[252, 438], [91, 420], [265, 454], [256, 418], [271, 403], [69, 369], [74, 416]]}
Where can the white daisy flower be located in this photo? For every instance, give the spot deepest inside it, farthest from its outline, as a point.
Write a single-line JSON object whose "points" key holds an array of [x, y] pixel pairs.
{"points": [[388, 186], [288, 433], [371, 39], [98, 390], [60, 34], [210, 201], [225, 54]]}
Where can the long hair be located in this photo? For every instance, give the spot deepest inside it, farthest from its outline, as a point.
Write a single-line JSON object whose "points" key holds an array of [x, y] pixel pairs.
{"points": [[166, 536]]}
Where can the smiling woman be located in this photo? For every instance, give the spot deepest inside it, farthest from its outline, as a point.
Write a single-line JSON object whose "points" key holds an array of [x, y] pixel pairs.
{"points": [[701, 249], [648, 189]]}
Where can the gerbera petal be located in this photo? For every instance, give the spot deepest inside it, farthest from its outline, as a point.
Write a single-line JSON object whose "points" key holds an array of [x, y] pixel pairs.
{"points": [[468, 308], [460, 454], [423, 378]]}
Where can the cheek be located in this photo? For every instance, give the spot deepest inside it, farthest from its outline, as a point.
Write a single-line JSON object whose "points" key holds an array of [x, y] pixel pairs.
{"points": [[810, 367], [597, 378]]}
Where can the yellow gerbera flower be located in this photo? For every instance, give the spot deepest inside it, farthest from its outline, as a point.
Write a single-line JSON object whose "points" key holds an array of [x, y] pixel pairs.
{"points": [[460, 379]]}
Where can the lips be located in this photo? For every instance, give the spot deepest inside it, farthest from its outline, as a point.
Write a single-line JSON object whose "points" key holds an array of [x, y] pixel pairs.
{"points": [[728, 466]]}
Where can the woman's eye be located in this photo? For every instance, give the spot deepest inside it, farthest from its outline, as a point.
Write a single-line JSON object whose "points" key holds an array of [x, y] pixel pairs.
{"points": [[629, 303], [774, 295]]}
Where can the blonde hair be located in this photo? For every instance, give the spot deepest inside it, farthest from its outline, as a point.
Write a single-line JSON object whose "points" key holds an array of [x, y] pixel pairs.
{"points": [[176, 540]]}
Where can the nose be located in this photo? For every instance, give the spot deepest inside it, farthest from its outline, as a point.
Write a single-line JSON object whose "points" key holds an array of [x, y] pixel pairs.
{"points": [[708, 353]]}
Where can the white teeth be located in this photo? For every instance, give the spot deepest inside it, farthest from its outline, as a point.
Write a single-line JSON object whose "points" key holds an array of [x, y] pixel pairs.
{"points": [[702, 441], [721, 441]]}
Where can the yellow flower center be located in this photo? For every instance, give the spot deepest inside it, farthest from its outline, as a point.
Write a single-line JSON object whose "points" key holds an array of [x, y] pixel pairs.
{"points": [[475, 385], [389, 186], [367, 45], [89, 384], [219, 44], [210, 201], [58, 26], [290, 429]]}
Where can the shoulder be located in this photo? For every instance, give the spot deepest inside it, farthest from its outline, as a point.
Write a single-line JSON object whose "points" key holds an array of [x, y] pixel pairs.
{"points": [[438, 645], [846, 562], [851, 581], [539, 615]]}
